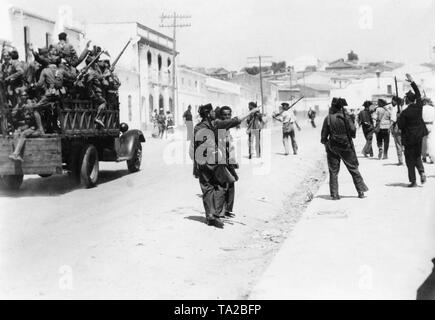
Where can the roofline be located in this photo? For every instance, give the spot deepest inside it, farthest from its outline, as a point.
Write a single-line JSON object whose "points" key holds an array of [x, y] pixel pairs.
{"points": [[139, 25], [39, 17]]}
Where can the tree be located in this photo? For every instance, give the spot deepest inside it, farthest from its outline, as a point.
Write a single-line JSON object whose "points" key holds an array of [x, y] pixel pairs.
{"points": [[279, 67]]}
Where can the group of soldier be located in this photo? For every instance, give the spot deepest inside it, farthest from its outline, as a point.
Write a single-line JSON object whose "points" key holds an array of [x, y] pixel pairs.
{"points": [[405, 120], [30, 90]]}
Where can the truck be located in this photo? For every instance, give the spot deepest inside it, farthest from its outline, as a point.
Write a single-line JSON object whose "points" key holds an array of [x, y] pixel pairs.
{"points": [[76, 147]]}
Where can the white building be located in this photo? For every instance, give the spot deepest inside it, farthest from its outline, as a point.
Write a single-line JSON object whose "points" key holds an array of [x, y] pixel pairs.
{"points": [[191, 90], [144, 70], [19, 28]]}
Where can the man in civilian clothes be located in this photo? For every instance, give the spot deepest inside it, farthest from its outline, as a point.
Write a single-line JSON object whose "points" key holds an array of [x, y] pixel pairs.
{"points": [[255, 124], [365, 120], [413, 130]]}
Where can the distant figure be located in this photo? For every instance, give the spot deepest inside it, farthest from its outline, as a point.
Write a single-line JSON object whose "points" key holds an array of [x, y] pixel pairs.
{"points": [[382, 128], [397, 104], [188, 121], [255, 125], [312, 116], [337, 133], [161, 123], [428, 118], [169, 123], [413, 130], [365, 121]]}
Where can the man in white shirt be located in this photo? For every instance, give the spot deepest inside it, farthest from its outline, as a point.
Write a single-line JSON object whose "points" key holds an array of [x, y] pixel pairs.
{"points": [[289, 121]]}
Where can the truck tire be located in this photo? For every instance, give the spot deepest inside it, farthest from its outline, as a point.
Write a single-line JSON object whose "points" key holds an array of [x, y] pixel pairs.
{"points": [[45, 175], [12, 182], [89, 167], [134, 163]]}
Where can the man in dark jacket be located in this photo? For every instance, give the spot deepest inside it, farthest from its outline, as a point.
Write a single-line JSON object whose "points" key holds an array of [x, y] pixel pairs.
{"points": [[365, 120], [413, 130], [337, 133], [206, 159]]}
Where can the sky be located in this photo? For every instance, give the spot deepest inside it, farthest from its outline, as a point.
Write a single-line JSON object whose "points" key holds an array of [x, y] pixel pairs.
{"points": [[224, 33]]}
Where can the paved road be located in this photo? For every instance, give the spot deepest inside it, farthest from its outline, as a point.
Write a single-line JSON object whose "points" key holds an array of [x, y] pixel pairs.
{"points": [[143, 235]]}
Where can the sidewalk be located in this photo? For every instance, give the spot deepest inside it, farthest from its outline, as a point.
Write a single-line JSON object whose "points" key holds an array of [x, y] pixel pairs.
{"points": [[375, 248]]}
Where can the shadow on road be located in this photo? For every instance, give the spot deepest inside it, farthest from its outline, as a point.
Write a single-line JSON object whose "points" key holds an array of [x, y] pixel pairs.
{"points": [[55, 185], [197, 219], [398, 184], [427, 289], [328, 197], [390, 165]]}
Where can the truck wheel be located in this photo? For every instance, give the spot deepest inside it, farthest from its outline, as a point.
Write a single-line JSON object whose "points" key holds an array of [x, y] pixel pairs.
{"points": [[134, 163], [89, 167], [12, 182]]}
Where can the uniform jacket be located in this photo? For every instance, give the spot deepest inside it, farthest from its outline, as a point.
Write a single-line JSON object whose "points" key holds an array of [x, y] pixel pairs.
{"points": [[334, 130], [51, 78], [411, 121], [67, 52]]}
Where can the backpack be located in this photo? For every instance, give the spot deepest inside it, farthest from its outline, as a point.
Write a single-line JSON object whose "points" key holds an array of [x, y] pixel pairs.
{"points": [[337, 140]]}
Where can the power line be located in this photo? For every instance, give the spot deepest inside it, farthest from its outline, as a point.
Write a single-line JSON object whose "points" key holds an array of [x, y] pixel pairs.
{"points": [[175, 17], [260, 60]]}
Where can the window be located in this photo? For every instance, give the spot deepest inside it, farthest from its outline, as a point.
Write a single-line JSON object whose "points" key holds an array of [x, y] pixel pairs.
{"points": [[389, 89], [171, 106], [130, 111], [182, 81], [159, 62], [149, 58], [169, 62], [151, 107]]}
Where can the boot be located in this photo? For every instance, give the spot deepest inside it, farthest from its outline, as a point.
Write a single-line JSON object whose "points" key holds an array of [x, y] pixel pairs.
{"points": [[380, 154], [412, 185], [423, 178], [361, 195]]}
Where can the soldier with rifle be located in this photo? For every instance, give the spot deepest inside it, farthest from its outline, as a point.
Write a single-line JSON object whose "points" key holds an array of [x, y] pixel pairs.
{"points": [[4, 106], [337, 133], [288, 119], [91, 79]]}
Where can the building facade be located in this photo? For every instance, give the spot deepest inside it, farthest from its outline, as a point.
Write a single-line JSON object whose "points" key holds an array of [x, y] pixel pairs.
{"points": [[20, 28], [145, 70]]}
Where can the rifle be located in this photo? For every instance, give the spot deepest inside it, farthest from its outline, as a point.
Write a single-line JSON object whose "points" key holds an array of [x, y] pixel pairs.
{"points": [[112, 68], [295, 103], [347, 132], [86, 69], [3, 99], [397, 95]]}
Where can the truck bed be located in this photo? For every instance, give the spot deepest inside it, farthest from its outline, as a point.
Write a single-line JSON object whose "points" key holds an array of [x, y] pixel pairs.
{"points": [[41, 156]]}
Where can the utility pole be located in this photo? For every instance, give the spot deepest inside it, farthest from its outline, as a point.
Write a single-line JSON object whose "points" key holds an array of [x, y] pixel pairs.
{"points": [[290, 76], [175, 24], [268, 59]]}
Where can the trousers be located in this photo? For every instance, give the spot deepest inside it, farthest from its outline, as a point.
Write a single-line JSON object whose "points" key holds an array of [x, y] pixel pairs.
{"points": [[413, 160], [350, 160]]}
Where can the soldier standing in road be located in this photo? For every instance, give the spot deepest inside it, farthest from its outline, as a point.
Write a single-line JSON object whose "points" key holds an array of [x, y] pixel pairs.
{"points": [[229, 151], [188, 120], [337, 133], [395, 131], [413, 129], [212, 174], [365, 121], [255, 124]]}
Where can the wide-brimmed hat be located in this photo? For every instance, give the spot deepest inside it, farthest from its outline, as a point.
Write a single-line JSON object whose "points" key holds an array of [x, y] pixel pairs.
{"points": [[285, 105], [367, 104]]}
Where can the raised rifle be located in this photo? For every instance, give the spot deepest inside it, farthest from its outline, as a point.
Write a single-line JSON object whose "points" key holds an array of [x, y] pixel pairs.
{"points": [[348, 132], [3, 100], [115, 62], [86, 69], [397, 95]]}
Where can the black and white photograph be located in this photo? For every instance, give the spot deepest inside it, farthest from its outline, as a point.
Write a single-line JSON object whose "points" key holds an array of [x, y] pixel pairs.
{"points": [[217, 150]]}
